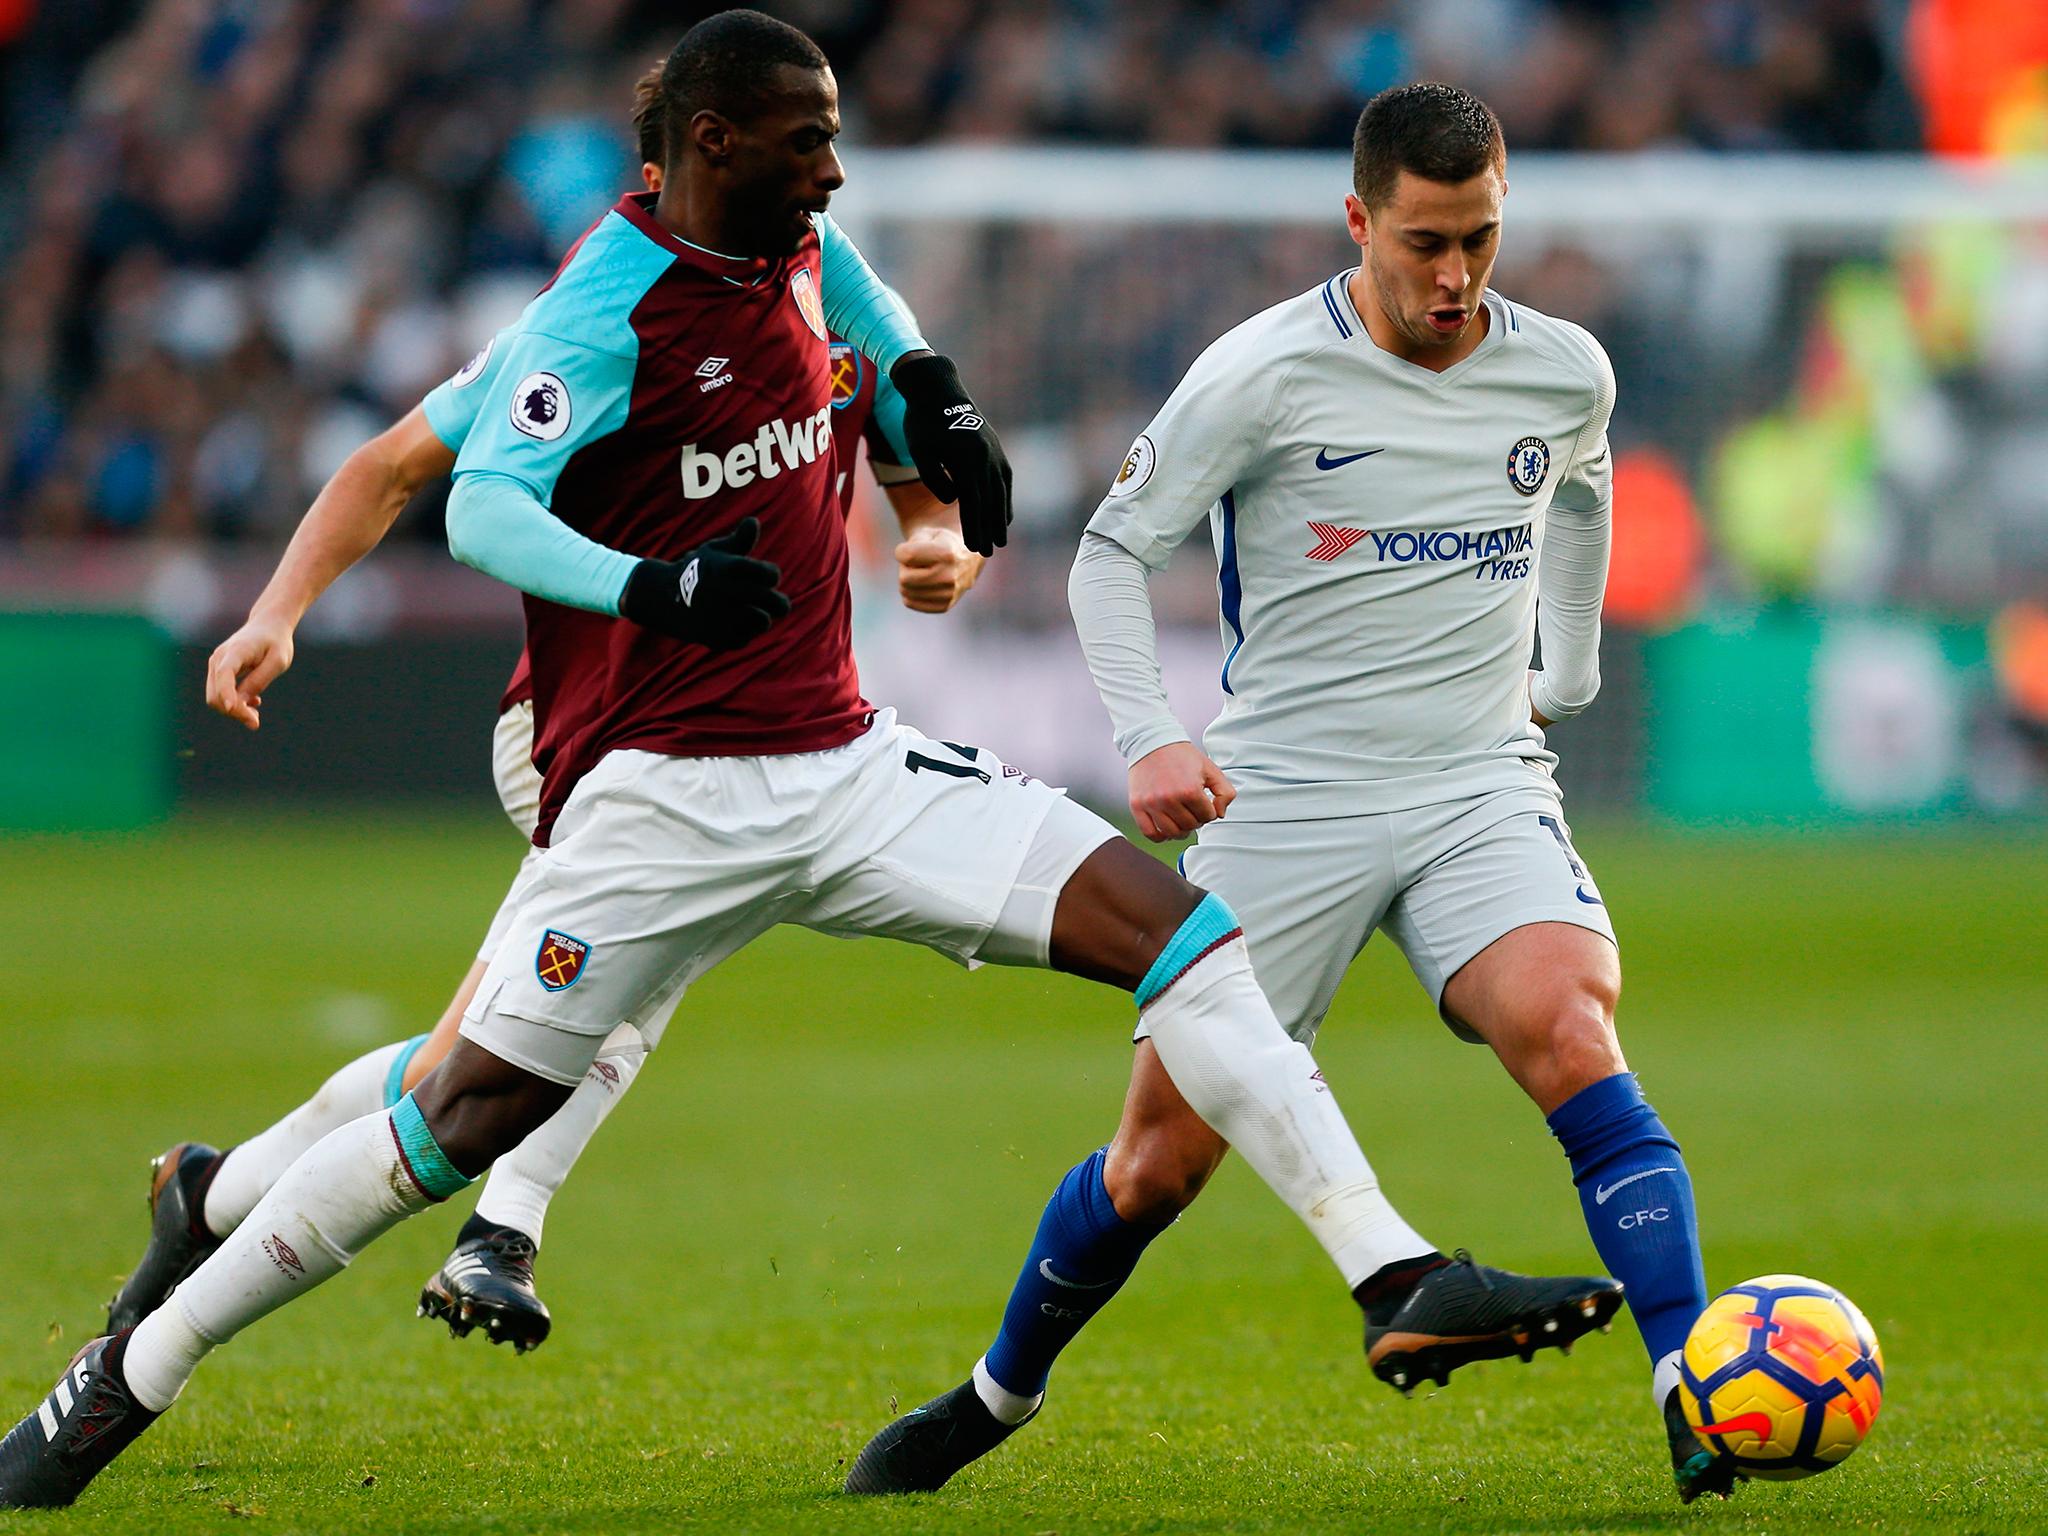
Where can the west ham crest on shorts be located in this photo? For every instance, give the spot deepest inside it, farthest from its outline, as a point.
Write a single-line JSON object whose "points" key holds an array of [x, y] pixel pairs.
{"points": [[560, 960], [847, 366], [804, 289], [1529, 465]]}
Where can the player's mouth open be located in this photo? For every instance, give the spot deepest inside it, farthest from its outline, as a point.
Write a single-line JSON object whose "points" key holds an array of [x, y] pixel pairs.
{"points": [[1449, 321]]}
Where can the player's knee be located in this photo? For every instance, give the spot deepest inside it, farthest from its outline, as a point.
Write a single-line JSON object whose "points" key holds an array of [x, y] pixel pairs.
{"points": [[1578, 1044], [1152, 1179], [1117, 912]]}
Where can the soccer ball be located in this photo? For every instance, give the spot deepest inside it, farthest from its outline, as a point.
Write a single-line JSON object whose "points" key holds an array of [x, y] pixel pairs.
{"points": [[1783, 1374]]}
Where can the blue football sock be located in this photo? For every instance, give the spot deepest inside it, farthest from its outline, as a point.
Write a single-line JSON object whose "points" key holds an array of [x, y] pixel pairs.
{"points": [[1638, 1202], [1080, 1258]]}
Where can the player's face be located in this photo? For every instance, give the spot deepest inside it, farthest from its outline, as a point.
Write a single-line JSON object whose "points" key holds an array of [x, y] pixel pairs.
{"points": [[1429, 251], [783, 166]]}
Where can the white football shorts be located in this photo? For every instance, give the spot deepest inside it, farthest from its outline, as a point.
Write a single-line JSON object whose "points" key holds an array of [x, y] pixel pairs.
{"points": [[1443, 881], [518, 784], [660, 867]]}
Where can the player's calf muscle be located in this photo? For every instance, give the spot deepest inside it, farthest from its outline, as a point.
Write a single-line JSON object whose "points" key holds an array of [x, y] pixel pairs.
{"points": [[480, 1107], [1116, 913]]}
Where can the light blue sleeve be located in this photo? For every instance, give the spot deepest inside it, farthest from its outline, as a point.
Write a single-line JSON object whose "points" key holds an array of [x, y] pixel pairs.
{"points": [[451, 405], [550, 397], [859, 306]]}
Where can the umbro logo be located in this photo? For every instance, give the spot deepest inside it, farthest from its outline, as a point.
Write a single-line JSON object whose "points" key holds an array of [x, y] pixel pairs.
{"points": [[965, 418], [712, 365], [283, 1255], [689, 582]]}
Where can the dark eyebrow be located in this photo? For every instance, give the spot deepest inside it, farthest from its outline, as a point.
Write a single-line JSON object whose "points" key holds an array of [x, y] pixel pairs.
{"points": [[1418, 233]]}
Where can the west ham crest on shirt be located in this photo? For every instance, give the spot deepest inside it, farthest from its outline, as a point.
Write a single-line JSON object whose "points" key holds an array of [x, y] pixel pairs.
{"points": [[804, 289], [1529, 465], [847, 367], [560, 960]]}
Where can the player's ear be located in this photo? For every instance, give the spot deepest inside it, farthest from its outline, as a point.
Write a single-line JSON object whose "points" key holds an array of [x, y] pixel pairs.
{"points": [[714, 136], [1358, 220]]}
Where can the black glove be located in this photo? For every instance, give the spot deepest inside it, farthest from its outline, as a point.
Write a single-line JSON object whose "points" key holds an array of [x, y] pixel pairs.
{"points": [[715, 596], [956, 451]]}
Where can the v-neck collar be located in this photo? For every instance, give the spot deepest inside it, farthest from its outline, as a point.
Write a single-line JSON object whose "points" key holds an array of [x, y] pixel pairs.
{"points": [[1500, 324], [637, 209]]}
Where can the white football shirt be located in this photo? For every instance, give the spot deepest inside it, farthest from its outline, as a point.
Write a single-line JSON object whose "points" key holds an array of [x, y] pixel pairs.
{"points": [[1378, 527]]}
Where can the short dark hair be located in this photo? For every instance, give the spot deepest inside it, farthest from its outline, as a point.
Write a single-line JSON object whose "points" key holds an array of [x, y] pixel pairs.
{"points": [[1437, 131], [726, 64], [650, 111]]}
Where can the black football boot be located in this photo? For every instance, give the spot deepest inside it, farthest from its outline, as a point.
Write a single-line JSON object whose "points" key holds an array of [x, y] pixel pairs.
{"points": [[88, 1419], [487, 1283], [179, 1241], [920, 1451], [1465, 1311], [1696, 1469]]}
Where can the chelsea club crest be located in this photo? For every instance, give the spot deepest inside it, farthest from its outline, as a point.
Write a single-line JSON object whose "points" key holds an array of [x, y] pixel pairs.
{"points": [[1529, 465]]}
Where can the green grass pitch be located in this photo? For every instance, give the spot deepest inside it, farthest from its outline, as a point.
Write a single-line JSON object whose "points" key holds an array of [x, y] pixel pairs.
{"points": [[811, 1209]]}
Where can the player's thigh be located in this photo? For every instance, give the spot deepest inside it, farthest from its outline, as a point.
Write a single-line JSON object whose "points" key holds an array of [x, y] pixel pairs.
{"points": [[949, 847], [647, 884], [1485, 868], [512, 772], [1308, 895]]}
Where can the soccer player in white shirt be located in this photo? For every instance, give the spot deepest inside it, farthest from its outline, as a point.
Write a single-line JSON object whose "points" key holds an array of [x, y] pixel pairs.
{"points": [[1407, 478]]}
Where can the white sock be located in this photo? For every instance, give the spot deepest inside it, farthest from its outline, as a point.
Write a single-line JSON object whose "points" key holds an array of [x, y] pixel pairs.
{"points": [[999, 1400], [352, 1187], [251, 1167], [524, 1180], [1261, 1092], [1663, 1377]]}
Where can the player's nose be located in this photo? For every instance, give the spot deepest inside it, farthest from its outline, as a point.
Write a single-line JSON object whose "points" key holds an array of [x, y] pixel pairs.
{"points": [[829, 174]]}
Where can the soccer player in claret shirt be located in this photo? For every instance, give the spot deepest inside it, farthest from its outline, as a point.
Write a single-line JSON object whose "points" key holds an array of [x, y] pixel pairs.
{"points": [[198, 1194], [1407, 477], [709, 767]]}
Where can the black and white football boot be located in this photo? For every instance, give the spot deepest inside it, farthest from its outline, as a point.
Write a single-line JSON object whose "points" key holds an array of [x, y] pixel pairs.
{"points": [[920, 1451], [1695, 1469], [88, 1419], [179, 1241], [1465, 1311], [487, 1283]]}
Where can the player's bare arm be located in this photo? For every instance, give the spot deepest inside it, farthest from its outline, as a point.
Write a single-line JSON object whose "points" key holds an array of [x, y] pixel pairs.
{"points": [[348, 519], [934, 566]]}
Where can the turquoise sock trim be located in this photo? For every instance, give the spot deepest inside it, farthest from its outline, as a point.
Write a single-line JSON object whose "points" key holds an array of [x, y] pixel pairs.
{"points": [[394, 1080], [1208, 925], [424, 1160]]}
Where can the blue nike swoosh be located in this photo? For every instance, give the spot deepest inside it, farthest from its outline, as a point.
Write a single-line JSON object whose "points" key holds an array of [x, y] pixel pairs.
{"points": [[1324, 461]]}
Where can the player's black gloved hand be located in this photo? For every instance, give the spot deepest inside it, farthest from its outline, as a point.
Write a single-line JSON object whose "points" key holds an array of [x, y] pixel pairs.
{"points": [[715, 596], [956, 451]]}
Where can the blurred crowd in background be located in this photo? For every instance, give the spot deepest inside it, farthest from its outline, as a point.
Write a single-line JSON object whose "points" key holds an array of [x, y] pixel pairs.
{"points": [[239, 236]]}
